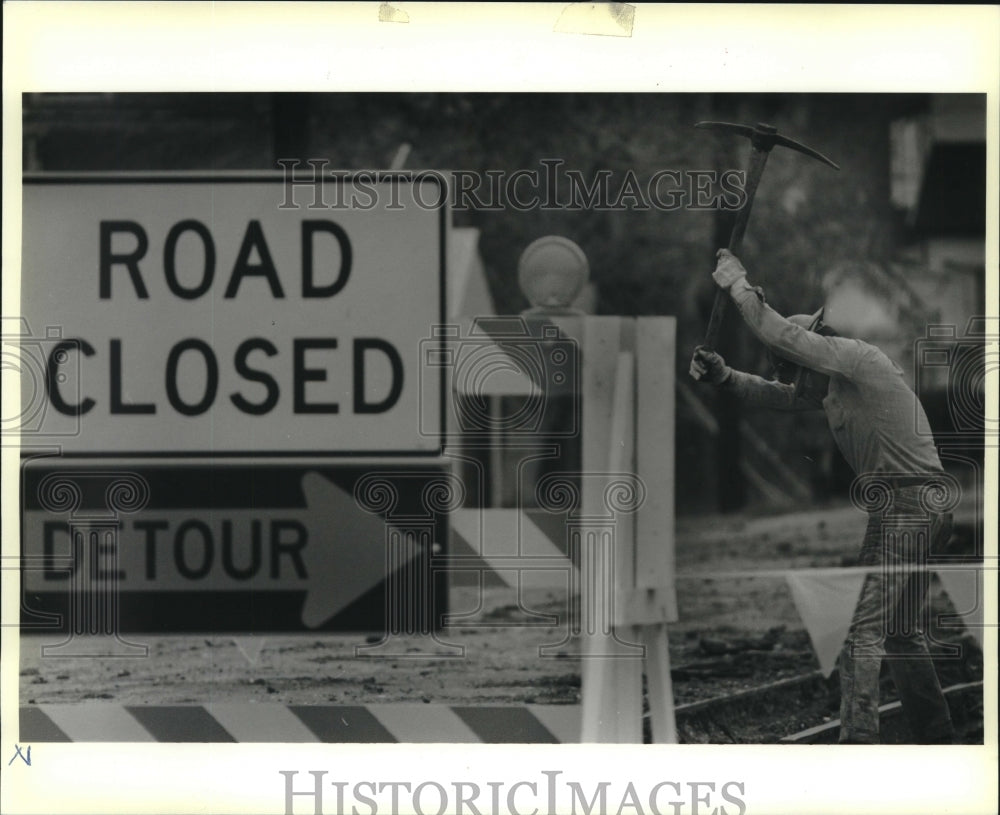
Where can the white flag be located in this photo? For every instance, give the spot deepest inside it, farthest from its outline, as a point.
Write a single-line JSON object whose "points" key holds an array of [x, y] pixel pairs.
{"points": [[826, 602], [964, 587]]}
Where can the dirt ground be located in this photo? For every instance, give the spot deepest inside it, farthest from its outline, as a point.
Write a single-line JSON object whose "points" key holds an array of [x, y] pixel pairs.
{"points": [[734, 634]]}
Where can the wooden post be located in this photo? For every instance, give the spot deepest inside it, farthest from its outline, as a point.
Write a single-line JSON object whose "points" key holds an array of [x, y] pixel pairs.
{"points": [[612, 665], [632, 419], [655, 461]]}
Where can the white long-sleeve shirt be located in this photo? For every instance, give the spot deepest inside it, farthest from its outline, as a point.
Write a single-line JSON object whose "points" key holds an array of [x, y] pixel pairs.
{"points": [[876, 419]]}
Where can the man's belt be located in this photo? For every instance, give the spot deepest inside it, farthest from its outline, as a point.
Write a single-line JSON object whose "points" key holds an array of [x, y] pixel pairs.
{"points": [[899, 482]]}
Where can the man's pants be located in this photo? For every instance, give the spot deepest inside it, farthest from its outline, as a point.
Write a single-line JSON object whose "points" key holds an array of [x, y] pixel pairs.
{"points": [[888, 623]]}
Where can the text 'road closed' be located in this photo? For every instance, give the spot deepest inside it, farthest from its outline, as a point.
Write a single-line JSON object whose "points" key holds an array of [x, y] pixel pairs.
{"points": [[194, 316]]}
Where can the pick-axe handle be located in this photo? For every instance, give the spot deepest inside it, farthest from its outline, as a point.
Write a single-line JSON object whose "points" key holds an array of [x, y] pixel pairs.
{"points": [[758, 158]]}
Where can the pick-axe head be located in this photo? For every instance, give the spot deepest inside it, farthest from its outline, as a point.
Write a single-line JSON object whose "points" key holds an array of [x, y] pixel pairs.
{"points": [[763, 137]]}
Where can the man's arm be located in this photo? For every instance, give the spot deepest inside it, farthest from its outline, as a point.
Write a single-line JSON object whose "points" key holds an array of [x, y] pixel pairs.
{"points": [[753, 390], [828, 355]]}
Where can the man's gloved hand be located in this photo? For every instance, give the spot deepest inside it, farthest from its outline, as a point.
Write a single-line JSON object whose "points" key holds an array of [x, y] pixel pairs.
{"points": [[728, 269], [708, 365]]}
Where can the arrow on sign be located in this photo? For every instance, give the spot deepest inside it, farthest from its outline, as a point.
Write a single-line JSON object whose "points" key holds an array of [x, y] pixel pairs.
{"points": [[353, 568]]}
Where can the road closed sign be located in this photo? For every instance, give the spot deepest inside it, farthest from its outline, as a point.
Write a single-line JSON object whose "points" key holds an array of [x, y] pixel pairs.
{"points": [[231, 314]]}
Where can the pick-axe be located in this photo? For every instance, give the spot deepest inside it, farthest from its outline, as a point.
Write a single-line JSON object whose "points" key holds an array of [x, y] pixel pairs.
{"points": [[763, 137]]}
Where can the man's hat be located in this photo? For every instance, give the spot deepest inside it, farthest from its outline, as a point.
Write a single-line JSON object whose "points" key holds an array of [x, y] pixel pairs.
{"points": [[789, 371], [810, 322]]}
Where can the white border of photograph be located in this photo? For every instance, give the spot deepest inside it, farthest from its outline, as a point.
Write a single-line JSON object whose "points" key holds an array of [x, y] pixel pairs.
{"points": [[101, 47]]}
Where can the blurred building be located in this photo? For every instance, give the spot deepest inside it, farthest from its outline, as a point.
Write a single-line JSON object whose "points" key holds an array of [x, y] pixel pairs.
{"points": [[908, 206]]}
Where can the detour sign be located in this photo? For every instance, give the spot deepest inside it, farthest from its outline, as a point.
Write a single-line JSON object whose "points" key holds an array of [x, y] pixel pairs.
{"points": [[242, 547], [208, 315]]}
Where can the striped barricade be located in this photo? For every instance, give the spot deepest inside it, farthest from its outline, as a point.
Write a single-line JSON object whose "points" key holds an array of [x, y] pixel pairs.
{"points": [[379, 723]]}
